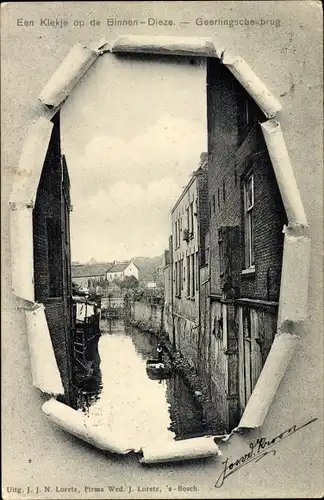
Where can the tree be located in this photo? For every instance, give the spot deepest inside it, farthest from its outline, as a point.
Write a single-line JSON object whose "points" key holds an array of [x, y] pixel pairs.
{"points": [[117, 282], [130, 282]]}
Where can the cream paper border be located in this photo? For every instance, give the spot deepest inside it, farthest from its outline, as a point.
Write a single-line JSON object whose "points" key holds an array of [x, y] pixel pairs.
{"points": [[296, 254]]}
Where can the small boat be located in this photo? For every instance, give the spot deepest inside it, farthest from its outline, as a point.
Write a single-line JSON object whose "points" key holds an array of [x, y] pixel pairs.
{"points": [[157, 370]]}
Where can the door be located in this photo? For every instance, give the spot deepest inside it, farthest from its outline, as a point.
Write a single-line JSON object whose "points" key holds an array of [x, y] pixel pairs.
{"points": [[250, 357]]}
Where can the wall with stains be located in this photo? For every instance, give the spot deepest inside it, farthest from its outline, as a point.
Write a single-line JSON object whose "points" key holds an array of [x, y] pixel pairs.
{"points": [[148, 316], [288, 60]]}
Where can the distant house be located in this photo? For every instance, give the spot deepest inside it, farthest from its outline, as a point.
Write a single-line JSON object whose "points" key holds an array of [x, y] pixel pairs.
{"points": [[85, 275], [151, 284], [88, 275], [119, 270]]}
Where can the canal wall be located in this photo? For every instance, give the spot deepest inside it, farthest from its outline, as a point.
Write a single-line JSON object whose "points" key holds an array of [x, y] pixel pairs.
{"points": [[151, 318], [147, 316], [186, 332]]}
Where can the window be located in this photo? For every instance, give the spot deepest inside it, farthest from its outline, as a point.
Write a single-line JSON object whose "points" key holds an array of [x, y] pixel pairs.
{"points": [[188, 276], [176, 278], [175, 235], [179, 278], [179, 229], [248, 113], [221, 252], [245, 115], [214, 203], [224, 193], [197, 273], [248, 220], [207, 256], [188, 219], [193, 272], [218, 197], [181, 275], [191, 230], [178, 235]]}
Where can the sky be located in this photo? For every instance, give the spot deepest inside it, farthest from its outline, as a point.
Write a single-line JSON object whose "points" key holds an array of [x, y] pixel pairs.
{"points": [[131, 144]]}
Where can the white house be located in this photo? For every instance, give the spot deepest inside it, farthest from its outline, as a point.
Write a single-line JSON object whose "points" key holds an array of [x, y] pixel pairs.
{"points": [[120, 270]]}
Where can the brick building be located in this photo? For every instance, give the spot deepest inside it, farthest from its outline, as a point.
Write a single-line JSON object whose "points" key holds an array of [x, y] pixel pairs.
{"points": [[244, 249], [52, 258], [184, 261]]}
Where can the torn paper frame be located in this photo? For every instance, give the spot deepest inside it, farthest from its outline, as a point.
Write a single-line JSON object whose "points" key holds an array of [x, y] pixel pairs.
{"points": [[45, 375], [76, 424], [74, 66], [292, 310], [22, 201]]}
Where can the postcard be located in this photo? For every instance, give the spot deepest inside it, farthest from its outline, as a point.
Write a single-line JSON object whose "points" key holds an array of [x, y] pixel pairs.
{"points": [[162, 239]]}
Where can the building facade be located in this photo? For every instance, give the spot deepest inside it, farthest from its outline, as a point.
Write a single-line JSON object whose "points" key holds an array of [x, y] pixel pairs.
{"points": [[52, 255], [183, 265], [245, 245]]}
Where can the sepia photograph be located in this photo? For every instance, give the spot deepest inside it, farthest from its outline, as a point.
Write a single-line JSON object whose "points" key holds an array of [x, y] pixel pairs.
{"points": [[162, 246]]}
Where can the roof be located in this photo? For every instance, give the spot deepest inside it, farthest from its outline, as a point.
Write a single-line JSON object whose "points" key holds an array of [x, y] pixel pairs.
{"points": [[88, 270], [119, 267], [100, 269]]}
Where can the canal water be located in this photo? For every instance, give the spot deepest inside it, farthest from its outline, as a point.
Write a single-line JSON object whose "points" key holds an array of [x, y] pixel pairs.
{"points": [[122, 398]]}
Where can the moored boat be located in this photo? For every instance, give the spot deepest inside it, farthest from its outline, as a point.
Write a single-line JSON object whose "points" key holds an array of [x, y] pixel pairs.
{"points": [[157, 369]]}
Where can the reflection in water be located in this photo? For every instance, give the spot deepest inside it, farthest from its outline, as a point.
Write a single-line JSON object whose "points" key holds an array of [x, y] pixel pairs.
{"points": [[90, 388], [133, 405]]}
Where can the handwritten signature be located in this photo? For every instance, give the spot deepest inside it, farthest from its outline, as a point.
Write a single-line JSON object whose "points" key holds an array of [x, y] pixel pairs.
{"points": [[258, 450]]}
